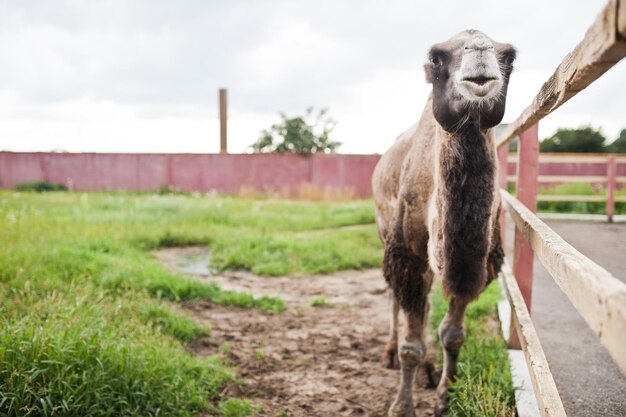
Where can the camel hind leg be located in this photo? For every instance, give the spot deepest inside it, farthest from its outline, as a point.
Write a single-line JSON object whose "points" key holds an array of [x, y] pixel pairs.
{"points": [[390, 354]]}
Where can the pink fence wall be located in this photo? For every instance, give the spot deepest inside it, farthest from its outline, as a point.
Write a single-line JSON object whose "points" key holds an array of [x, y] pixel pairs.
{"points": [[571, 168], [190, 172], [226, 173]]}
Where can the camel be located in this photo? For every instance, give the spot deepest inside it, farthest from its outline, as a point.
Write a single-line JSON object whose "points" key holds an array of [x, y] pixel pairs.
{"points": [[437, 203]]}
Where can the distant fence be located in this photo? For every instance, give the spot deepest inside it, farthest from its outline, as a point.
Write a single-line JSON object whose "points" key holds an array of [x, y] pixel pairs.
{"points": [[604, 171], [225, 173], [230, 173]]}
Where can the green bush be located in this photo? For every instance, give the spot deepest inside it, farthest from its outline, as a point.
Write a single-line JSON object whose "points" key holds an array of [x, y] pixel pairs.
{"points": [[39, 186]]}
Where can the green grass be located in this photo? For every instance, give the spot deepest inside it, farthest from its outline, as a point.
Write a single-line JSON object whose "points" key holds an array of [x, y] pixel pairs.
{"points": [[319, 302], [86, 325], [235, 407], [483, 386], [79, 353]]}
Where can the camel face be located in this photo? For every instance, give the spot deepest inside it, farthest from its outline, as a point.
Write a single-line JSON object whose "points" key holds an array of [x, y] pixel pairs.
{"points": [[470, 76]]}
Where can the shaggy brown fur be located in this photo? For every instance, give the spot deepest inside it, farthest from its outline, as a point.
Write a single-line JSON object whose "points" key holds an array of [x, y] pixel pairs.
{"points": [[465, 201], [400, 267]]}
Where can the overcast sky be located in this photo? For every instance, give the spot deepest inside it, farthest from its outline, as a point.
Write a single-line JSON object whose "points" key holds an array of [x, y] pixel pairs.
{"points": [[143, 76]]}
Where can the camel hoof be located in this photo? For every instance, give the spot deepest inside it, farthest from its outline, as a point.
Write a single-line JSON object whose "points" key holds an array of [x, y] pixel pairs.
{"points": [[401, 409], [440, 408], [390, 359], [442, 399], [427, 376], [411, 355]]}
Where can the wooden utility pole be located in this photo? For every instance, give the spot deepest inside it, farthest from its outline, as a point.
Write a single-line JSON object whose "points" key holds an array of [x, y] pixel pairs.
{"points": [[223, 121], [611, 168]]}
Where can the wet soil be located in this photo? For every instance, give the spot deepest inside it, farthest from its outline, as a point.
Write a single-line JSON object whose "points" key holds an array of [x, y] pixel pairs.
{"points": [[308, 361]]}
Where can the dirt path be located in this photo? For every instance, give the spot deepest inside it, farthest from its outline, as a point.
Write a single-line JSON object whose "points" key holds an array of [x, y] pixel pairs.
{"points": [[307, 361]]}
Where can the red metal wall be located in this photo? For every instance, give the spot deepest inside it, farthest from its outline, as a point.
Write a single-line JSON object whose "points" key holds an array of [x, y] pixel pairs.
{"points": [[226, 173], [190, 172]]}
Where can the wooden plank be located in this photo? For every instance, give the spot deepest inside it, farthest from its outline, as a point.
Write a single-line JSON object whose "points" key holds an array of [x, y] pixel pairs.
{"points": [[547, 395], [569, 178], [620, 179], [620, 199], [527, 172], [611, 173], [565, 159], [502, 169], [621, 18], [523, 259], [599, 297], [599, 198], [572, 178], [572, 159], [583, 158], [599, 50]]}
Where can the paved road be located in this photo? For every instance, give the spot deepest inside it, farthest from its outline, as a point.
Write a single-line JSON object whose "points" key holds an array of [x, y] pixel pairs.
{"points": [[589, 382]]}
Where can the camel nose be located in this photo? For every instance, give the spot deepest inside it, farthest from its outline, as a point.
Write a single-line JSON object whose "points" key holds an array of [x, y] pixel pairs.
{"points": [[478, 44]]}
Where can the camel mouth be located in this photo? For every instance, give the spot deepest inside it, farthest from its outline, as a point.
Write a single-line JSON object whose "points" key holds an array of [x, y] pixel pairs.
{"points": [[480, 80], [478, 86]]}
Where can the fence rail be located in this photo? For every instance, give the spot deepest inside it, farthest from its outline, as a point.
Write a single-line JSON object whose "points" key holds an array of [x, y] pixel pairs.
{"points": [[578, 277], [598, 296]]}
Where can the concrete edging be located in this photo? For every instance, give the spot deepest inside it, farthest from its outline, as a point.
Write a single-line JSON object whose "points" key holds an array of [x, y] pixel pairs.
{"points": [[525, 401]]}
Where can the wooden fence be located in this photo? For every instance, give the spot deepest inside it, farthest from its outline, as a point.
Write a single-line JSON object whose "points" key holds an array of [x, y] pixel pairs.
{"points": [[598, 296], [607, 171]]}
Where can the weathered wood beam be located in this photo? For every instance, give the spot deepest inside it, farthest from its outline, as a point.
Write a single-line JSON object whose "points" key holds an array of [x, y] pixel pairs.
{"points": [[602, 47], [599, 297], [568, 178], [583, 158], [546, 392], [597, 198], [621, 19]]}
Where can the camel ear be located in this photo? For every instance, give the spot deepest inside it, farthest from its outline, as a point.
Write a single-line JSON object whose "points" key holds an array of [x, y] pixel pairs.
{"points": [[428, 71]]}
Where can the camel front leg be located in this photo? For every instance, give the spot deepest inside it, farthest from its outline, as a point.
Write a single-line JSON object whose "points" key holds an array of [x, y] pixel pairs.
{"points": [[411, 353], [390, 355], [452, 336]]}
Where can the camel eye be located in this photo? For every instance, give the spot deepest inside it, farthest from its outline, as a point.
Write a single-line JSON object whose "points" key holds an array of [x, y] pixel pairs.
{"points": [[509, 57], [435, 59]]}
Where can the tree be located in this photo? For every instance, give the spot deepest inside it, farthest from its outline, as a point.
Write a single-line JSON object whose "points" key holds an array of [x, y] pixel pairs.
{"points": [[585, 139], [619, 144], [303, 135]]}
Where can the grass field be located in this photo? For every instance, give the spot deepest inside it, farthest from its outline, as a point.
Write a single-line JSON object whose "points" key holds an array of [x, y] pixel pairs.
{"points": [[86, 324]]}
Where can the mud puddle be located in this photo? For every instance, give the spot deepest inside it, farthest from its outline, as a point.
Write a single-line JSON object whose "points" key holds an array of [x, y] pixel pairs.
{"points": [[308, 361]]}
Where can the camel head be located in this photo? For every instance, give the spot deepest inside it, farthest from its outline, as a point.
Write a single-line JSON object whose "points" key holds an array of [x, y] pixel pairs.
{"points": [[470, 76]]}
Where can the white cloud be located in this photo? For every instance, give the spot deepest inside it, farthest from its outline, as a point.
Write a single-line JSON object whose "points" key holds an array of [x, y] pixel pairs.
{"points": [[143, 76]]}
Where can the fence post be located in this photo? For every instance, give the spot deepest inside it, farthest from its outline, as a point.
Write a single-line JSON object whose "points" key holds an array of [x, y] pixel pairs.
{"points": [[223, 121], [527, 173], [611, 172], [503, 153]]}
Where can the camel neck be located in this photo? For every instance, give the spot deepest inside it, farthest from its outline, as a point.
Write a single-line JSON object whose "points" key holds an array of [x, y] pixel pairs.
{"points": [[465, 195]]}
